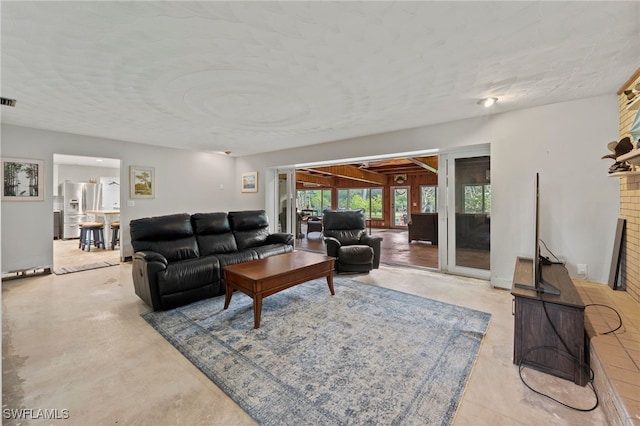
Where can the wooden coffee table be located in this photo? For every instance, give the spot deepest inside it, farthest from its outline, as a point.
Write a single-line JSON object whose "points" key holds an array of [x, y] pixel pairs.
{"points": [[261, 278]]}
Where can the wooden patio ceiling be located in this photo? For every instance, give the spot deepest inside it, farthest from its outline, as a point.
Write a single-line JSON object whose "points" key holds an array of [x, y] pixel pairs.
{"points": [[379, 172]]}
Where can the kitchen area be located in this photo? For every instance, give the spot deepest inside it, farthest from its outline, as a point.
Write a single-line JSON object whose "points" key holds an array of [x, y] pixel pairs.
{"points": [[86, 189]]}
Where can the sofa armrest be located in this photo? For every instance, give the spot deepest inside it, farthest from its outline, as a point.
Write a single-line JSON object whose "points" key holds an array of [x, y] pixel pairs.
{"points": [[280, 237], [373, 242], [333, 245], [146, 265], [151, 256]]}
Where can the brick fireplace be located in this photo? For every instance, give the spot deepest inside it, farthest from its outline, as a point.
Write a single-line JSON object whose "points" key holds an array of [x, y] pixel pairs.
{"points": [[630, 200]]}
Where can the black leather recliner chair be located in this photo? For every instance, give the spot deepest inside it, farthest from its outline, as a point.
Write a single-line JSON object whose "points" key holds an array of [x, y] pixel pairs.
{"points": [[347, 240]]}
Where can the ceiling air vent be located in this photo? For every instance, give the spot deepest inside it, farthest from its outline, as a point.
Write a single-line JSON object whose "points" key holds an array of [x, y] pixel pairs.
{"points": [[8, 102]]}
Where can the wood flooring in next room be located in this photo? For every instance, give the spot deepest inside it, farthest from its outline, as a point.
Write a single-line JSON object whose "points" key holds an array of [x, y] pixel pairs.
{"points": [[396, 250]]}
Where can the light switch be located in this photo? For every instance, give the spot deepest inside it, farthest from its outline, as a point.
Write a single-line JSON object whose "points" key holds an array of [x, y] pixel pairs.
{"points": [[131, 203]]}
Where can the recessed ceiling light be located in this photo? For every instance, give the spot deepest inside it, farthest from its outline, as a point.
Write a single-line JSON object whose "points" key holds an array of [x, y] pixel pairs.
{"points": [[99, 160], [487, 102]]}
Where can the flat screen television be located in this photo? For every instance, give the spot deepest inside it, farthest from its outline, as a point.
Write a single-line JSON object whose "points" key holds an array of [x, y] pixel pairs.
{"points": [[539, 284]]}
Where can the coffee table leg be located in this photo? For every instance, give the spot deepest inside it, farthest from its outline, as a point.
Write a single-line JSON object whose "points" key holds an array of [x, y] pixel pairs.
{"points": [[227, 296], [330, 283], [257, 310]]}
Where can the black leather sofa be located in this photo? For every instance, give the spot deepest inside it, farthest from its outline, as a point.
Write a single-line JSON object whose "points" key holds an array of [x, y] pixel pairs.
{"points": [[179, 258]]}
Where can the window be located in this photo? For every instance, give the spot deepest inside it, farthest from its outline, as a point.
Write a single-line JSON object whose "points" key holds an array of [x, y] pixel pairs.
{"points": [[314, 199], [477, 198], [429, 199], [369, 199]]}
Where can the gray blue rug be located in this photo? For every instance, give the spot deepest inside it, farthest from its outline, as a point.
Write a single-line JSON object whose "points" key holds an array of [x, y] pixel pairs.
{"points": [[367, 355]]}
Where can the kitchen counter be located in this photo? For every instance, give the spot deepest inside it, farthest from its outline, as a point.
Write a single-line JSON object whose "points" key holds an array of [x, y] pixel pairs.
{"points": [[106, 216]]}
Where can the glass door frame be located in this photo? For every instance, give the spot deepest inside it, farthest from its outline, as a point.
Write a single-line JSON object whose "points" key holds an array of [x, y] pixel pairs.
{"points": [[447, 211], [392, 206], [273, 199]]}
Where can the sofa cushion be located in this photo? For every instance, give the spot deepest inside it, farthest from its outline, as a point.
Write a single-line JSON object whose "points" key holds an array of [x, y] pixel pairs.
{"points": [[213, 232], [188, 274], [250, 228], [355, 255], [272, 250], [346, 236], [237, 257], [210, 223], [344, 219], [347, 226], [216, 244], [171, 235], [248, 220], [249, 239]]}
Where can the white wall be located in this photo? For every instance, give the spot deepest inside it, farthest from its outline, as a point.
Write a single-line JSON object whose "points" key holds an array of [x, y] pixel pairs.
{"points": [[77, 173], [185, 182], [564, 142]]}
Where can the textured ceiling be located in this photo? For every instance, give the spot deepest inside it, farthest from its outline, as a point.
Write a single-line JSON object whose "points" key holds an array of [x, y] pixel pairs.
{"points": [[252, 77]]}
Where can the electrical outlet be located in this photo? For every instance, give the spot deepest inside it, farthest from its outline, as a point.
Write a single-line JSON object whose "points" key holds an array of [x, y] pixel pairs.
{"points": [[582, 270]]}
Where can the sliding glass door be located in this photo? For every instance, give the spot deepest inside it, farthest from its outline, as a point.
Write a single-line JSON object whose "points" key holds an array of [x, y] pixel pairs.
{"points": [[286, 202], [468, 213]]}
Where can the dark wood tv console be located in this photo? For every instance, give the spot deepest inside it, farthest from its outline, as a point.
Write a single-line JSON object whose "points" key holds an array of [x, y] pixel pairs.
{"points": [[532, 328]]}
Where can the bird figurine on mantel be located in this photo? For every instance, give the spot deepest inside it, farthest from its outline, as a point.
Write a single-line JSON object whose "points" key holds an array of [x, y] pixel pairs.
{"points": [[617, 149]]}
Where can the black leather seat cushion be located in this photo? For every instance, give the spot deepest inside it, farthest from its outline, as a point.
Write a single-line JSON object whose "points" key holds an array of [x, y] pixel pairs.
{"points": [[272, 250], [237, 257], [188, 274], [250, 228], [213, 232], [346, 236], [172, 236], [355, 255]]}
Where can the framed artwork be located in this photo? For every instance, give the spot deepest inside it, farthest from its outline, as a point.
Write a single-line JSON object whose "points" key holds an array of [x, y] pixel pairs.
{"points": [[23, 179], [142, 182], [250, 182]]}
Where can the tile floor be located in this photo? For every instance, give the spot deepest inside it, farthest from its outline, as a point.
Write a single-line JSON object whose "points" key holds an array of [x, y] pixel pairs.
{"points": [[77, 342]]}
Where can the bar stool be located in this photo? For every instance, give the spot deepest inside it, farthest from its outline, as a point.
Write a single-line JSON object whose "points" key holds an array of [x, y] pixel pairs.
{"points": [[115, 238], [91, 229]]}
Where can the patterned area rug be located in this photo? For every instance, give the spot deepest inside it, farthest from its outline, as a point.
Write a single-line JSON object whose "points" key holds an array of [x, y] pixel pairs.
{"points": [[367, 355], [79, 268]]}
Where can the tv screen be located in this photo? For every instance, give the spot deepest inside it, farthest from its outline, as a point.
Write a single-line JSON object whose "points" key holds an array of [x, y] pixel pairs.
{"points": [[538, 282]]}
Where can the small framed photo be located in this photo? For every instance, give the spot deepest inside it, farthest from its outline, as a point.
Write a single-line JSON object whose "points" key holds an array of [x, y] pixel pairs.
{"points": [[23, 179], [142, 182], [250, 182]]}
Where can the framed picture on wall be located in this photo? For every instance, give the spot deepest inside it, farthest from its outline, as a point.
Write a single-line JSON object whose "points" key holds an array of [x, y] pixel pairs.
{"points": [[142, 182], [250, 182], [23, 179]]}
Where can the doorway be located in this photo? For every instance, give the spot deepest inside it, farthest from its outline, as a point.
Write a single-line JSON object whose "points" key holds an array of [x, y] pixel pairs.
{"points": [[386, 187], [86, 189], [400, 202]]}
